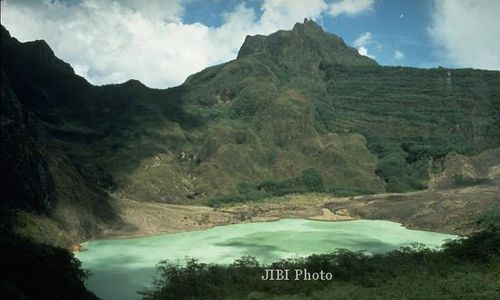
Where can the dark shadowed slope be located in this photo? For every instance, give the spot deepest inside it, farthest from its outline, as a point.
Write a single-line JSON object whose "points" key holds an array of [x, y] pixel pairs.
{"points": [[297, 111]]}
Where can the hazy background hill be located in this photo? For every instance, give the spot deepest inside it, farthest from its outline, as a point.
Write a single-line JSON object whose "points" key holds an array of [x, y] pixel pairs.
{"points": [[297, 111]]}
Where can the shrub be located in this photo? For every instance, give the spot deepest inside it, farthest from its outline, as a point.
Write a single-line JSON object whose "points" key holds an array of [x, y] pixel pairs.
{"points": [[462, 269]]}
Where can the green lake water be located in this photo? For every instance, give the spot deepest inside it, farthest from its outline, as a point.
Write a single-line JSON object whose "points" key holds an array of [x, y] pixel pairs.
{"points": [[121, 267]]}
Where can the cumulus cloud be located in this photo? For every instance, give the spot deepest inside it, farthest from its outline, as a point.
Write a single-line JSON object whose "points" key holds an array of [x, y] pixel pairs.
{"points": [[363, 39], [282, 14], [398, 55], [362, 42], [109, 41], [350, 7], [467, 32], [363, 51]]}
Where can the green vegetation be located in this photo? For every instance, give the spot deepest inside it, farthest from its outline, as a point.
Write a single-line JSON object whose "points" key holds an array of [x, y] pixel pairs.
{"points": [[412, 117], [310, 181], [490, 219], [298, 111], [248, 128], [32, 270], [464, 269]]}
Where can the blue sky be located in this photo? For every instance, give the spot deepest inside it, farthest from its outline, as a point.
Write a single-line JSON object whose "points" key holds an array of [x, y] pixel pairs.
{"points": [[161, 42], [394, 26]]}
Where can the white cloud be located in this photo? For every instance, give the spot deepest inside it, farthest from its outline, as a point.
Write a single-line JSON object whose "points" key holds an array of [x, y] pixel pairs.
{"points": [[467, 32], [398, 55], [401, 16], [363, 51], [364, 39], [362, 42], [350, 7], [282, 14], [109, 41]]}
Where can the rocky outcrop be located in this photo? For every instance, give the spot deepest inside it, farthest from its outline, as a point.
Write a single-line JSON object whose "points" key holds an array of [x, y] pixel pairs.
{"points": [[294, 101], [26, 182], [40, 185], [305, 48], [461, 170]]}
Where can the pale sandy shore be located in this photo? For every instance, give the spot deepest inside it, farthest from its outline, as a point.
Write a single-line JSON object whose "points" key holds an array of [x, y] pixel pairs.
{"points": [[452, 211]]}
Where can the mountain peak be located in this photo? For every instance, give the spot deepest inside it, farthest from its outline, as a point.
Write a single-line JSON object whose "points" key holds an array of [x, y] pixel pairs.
{"points": [[303, 48], [36, 52], [307, 25]]}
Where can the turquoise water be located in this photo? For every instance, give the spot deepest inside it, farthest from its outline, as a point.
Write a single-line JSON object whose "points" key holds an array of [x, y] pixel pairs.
{"points": [[121, 267]]}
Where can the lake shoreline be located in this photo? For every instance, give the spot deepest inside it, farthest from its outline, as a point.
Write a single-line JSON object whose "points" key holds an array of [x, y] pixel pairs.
{"points": [[81, 246], [270, 220], [144, 219], [114, 263]]}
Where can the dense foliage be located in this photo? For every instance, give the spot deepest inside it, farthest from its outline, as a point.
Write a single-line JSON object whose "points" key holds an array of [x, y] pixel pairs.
{"points": [[248, 128], [412, 118], [465, 269], [298, 111], [309, 181], [32, 271]]}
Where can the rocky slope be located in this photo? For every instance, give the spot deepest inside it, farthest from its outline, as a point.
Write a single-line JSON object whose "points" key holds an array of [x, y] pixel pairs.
{"points": [[38, 176], [456, 207], [297, 111]]}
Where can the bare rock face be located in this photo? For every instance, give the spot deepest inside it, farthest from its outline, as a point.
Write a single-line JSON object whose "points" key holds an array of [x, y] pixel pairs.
{"points": [[298, 111], [26, 182], [461, 170], [37, 176], [305, 48]]}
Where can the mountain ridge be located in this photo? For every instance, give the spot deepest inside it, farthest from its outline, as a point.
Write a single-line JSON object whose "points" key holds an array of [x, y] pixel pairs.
{"points": [[258, 126], [306, 40]]}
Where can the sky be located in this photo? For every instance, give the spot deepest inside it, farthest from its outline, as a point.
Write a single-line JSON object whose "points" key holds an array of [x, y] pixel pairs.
{"points": [[161, 42]]}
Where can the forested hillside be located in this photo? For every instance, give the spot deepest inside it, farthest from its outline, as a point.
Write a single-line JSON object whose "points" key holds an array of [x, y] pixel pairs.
{"points": [[297, 111]]}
